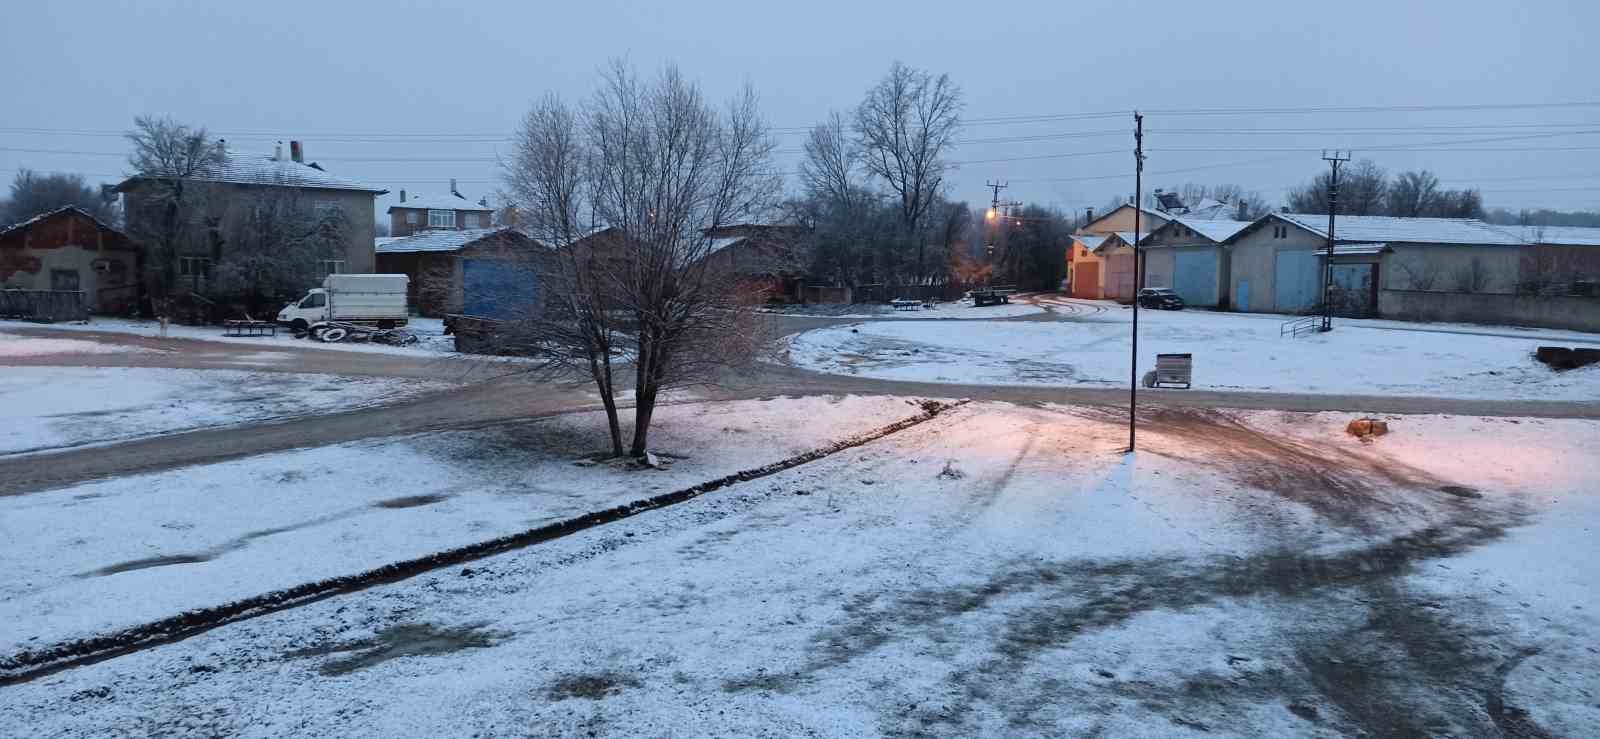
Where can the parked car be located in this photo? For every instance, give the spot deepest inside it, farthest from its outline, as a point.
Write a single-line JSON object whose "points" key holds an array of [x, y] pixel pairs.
{"points": [[1160, 298], [375, 299]]}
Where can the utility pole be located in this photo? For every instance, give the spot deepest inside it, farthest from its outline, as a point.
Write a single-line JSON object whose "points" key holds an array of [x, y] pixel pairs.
{"points": [[1335, 160], [1138, 196]]}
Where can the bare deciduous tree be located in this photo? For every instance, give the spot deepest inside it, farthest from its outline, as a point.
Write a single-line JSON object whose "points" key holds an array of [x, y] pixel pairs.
{"points": [[33, 193], [1413, 194], [905, 126], [660, 168], [275, 244], [168, 212]]}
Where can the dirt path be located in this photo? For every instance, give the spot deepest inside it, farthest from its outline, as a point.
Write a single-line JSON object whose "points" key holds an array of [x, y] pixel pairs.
{"points": [[500, 395]]}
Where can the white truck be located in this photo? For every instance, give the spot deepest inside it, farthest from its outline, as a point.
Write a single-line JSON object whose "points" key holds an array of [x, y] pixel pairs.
{"points": [[365, 299]]}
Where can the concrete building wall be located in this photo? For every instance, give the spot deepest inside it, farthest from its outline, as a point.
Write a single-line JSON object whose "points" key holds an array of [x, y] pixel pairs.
{"points": [[1252, 265], [400, 226], [1573, 313], [1121, 220], [1161, 265], [1464, 269], [71, 252]]}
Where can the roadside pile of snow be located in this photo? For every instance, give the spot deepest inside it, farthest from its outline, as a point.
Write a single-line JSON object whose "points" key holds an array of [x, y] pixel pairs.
{"points": [[1230, 353], [51, 407], [109, 555], [1003, 572], [12, 345]]}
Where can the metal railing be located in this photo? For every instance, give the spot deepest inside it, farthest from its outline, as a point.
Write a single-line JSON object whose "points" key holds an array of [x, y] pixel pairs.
{"points": [[1300, 326]]}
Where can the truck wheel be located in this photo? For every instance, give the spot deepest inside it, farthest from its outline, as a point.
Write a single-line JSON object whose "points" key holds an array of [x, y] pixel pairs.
{"points": [[386, 325], [332, 334], [299, 326]]}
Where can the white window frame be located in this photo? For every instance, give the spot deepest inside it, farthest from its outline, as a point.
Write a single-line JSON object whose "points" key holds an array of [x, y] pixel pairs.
{"points": [[441, 218], [187, 266], [331, 266], [473, 220], [411, 218]]}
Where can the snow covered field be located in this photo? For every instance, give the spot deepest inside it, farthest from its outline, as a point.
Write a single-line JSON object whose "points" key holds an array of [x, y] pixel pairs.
{"points": [[51, 407], [1231, 352], [117, 553], [1000, 571], [429, 331]]}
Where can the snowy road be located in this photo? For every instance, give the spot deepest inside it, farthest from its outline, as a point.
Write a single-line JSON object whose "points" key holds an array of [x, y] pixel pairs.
{"points": [[1001, 571]]}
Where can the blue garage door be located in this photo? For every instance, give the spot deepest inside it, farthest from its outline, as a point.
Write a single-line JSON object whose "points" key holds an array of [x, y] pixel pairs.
{"points": [[497, 289], [1195, 276], [1296, 281]]}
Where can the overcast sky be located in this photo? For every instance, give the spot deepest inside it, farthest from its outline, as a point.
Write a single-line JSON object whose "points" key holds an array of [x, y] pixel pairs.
{"points": [[353, 79]]}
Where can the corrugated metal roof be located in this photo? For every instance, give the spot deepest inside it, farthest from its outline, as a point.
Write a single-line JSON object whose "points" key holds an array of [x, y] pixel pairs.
{"points": [[435, 241], [1406, 230], [1558, 235], [1215, 230], [263, 169]]}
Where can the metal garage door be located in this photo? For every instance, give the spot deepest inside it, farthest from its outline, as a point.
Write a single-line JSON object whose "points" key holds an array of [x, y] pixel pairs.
{"points": [[1119, 276], [1086, 280], [1195, 276], [1354, 293], [1295, 281], [497, 289]]}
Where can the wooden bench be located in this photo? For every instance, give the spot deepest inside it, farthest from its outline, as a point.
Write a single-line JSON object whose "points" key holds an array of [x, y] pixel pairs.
{"points": [[237, 327], [905, 304]]}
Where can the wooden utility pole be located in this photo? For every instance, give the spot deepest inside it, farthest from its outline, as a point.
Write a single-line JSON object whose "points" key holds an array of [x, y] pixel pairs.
{"points": [[1334, 160], [1138, 195]]}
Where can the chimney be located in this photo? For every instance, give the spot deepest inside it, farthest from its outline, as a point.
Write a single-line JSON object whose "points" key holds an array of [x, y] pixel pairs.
{"points": [[453, 187], [1088, 215], [402, 195], [277, 152], [222, 146], [296, 153]]}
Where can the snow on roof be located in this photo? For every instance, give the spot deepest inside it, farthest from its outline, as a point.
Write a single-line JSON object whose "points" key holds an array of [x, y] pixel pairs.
{"points": [[1406, 230], [1091, 241], [1558, 235], [724, 242], [448, 201], [435, 240], [1357, 249], [1210, 209], [52, 213], [1215, 230], [263, 169]]}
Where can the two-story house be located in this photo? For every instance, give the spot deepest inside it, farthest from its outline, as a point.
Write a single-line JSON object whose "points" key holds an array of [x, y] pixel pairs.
{"points": [[450, 212], [240, 183]]}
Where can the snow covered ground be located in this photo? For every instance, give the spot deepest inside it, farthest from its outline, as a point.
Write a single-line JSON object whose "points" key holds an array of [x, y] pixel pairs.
{"points": [[958, 310], [122, 552], [51, 407], [429, 331], [12, 345], [1001, 571], [1231, 352]]}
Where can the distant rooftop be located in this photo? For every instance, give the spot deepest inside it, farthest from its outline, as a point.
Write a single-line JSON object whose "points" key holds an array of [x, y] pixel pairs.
{"points": [[265, 169], [442, 240], [447, 201]]}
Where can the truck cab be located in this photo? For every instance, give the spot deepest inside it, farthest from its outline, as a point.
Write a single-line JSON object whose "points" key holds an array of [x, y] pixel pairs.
{"points": [[311, 309]]}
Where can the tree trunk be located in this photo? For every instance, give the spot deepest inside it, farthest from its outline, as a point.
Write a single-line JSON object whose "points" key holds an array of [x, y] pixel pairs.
{"points": [[601, 369], [648, 384]]}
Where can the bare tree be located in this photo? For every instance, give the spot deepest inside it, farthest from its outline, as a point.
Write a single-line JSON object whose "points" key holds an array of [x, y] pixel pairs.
{"points": [[1413, 194], [167, 210], [276, 244], [661, 169], [906, 124], [33, 193]]}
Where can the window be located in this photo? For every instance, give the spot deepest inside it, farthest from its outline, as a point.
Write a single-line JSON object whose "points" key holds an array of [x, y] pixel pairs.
{"points": [[441, 219], [411, 218], [194, 266], [330, 267], [314, 300], [472, 221]]}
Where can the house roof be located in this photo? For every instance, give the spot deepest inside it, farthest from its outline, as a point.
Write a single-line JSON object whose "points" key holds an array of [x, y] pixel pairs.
{"points": [[264, 169], [1390, 229], [1091, 241], [436, 240], [447, 201], [1147, 211], [1214, 230], [47, 215], [1359, 249]]}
